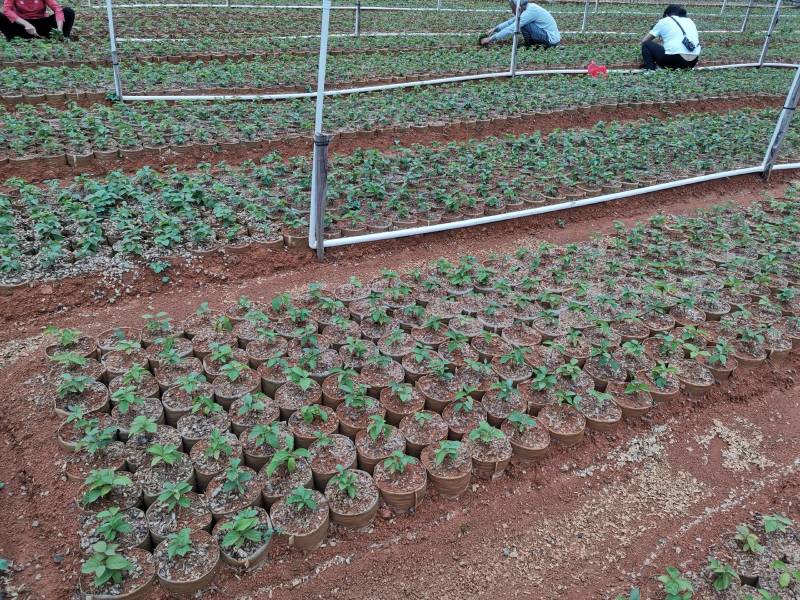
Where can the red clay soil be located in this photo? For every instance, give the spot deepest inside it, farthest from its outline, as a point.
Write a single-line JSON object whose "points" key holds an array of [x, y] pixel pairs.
{"points": [[579, 524], [386, 139], [83, 302]]}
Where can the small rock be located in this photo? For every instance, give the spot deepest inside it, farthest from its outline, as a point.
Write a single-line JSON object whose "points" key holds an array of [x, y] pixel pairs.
{"points": [[58, 558], [35, 524]]}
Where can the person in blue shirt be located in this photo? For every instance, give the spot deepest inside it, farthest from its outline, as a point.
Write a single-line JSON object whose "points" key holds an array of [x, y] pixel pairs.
{"points": [[537, 26], [681, 42]]}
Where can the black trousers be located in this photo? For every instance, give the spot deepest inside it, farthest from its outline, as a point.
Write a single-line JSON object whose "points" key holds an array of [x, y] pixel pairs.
{"points": [[653, 55], [43, 26]]}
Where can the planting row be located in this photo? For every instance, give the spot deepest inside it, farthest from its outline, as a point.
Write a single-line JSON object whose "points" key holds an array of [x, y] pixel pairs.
{"points": [[289, 414], [247, 76], [105, 131], [37, 53], [61, 230], [160, 22]]}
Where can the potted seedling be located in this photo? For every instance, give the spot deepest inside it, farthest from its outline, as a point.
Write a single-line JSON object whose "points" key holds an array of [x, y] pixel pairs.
{"points": [[299, 390], [206, 416], [106, 488], [142, 433], [449, 466], [175, 508], [464, 414], [126, 528], [327, 453], [165, 464], [111, 573], [562, 419], [377, 442], [402, 481], [309, 421], [421, 429], [633, 398], [187, 561], [244, 538], [352, 498], [236, 488], [354, 413], [601, 413], [287, 469], [528, 438], [501, 400], [664, 384], [70, 340], [213, 454], [80, 391], [178, 400], [302, 517], [491, 451], [400, 400], [251, 410]]}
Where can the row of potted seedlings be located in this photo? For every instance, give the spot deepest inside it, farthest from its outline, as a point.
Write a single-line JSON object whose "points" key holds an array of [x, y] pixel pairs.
{"points": [[200, 438], [36, 132], [154, 216]]}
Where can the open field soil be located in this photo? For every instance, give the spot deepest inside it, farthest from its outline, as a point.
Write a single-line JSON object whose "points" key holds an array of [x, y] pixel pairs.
{"points": [[593, 402]]}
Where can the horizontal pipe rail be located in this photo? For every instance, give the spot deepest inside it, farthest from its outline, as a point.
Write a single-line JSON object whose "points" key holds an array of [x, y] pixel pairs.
{"points": [[409, 84], [529, 212]]}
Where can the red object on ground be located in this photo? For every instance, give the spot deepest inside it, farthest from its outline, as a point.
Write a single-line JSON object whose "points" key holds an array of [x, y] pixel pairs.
{"points": [[596, 70]]}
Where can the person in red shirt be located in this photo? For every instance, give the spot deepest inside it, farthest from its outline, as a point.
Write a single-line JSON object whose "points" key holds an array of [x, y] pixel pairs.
{"points": [[29, 18]]}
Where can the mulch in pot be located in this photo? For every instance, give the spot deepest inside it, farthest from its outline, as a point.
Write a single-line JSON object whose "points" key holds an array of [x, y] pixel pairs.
{"points": [[303, 528], [356, 512], [404, 491], [451, 477], [163, 522], [184, 575]]}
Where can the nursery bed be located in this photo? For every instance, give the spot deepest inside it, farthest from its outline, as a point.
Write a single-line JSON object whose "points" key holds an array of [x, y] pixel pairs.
{"points": [[462, 525]]}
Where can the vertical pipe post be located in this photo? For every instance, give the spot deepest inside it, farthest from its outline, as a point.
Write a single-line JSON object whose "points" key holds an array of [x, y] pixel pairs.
{"points": [[746, 16], [722, 9], [782, 126], [438, 4], [315, 216], [772, 23], [358, 19], [515, 44], [112, 41], [320, 170], [585, 15], [596, 5]]}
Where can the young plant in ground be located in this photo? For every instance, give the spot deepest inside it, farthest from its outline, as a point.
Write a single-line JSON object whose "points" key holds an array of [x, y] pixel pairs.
{"points": [[675, 585], [748, 540], [244, 527], [723, 574], [99, 484], [106, 565], [776, 523]]}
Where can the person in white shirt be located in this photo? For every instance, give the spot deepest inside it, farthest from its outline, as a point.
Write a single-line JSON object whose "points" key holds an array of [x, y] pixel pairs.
{"points": [[681, 47]]}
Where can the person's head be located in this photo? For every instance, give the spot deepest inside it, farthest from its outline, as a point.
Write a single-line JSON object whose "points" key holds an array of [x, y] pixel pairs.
{"points": [[674, 10], [512, 4]]}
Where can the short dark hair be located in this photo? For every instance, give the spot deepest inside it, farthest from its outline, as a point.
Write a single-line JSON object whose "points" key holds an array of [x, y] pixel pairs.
{"points": [[674, 10]]}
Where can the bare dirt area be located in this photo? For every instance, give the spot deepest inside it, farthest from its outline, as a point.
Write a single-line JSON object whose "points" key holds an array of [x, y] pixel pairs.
{"points": [[87, 302], [386, 139]]}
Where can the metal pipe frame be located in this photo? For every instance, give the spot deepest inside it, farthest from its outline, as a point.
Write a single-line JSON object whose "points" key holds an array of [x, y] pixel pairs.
{"points": [[772, 24], [316, 188], [782, 126], [747, 16], [112, 42], [410, 84], [357, 26], [512, 70], [389, 235], [585, 15]]}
